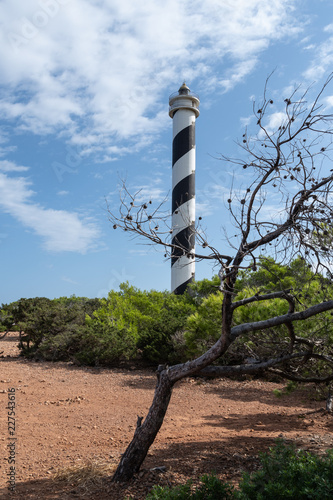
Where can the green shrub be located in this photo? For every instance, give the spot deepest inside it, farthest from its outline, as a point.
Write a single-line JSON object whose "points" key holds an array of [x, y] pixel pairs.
{"points": [[156, 337], [203, 327], [58, 347], [47, 325], [211, 488], [128, 324], [151, 317], [284, 473], [103, 344], [289, 473], [181, 492]]}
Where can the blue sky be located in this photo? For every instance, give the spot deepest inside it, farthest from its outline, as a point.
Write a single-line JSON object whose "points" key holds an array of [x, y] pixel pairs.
{"points": [[84, 104]]}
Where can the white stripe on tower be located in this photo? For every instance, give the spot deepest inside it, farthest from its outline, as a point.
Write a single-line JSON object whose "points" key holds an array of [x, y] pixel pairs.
{"points": [[184, 109]]}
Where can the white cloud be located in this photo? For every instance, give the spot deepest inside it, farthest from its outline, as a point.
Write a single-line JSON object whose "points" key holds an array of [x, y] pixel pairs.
{"points": [[139, 253], [329, 28], [4, 146], [204, 208], [69, 280], [211, 195], [61, 231], [246, 120], [92, 68], [311, 46], [150, 193], [322, 58], [329, 101], [273, 122], [9, 166]]}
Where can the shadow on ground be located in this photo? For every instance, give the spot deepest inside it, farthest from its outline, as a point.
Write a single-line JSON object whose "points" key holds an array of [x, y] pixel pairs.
{"points": [[183, 461], [244, 392]]}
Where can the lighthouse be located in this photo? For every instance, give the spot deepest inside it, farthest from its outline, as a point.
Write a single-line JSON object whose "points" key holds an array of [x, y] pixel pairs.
{"points": [[184, 110]]}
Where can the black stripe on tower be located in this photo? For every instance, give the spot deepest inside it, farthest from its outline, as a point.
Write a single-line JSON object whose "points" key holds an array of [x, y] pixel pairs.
{"points": [[182, 288], [183, 142], [185, 239], [183, 191]]}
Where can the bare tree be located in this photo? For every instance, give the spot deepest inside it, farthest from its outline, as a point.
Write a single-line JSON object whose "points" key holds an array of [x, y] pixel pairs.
{"points": [[288, 163]]}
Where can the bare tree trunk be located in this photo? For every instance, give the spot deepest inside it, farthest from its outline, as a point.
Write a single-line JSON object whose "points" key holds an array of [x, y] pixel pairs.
{"points": [[145, 434]]}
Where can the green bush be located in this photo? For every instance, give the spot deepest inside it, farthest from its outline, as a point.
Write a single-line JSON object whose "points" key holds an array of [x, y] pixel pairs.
{"points": [[289, 473], [160, 327], [150, 318], [284, 473], [211, 488], [46, 326], [127, 324], [181, 492], [156, 337], [103, 344], [203, 327]]}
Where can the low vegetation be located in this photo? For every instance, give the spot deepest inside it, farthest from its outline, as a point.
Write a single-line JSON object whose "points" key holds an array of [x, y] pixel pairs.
{"points": [[159, 327], [284, 473]]}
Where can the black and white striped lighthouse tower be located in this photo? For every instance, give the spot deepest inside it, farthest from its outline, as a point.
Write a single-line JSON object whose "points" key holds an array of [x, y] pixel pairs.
{"points": [[183, 109]]}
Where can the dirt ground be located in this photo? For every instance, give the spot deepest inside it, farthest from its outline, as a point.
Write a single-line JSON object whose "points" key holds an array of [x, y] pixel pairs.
{"points": [[70, 418]]}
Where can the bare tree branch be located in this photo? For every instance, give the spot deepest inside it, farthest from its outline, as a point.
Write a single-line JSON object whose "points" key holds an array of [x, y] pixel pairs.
{"points": [[238, 330], [258, 298], [221, 371]]}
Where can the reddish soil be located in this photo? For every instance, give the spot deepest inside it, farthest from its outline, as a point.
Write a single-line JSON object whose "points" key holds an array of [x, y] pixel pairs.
{"points": [[68, 415]]}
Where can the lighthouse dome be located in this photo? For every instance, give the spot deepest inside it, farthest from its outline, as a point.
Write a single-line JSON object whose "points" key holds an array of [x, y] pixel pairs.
{"points": [[184, 90]]}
